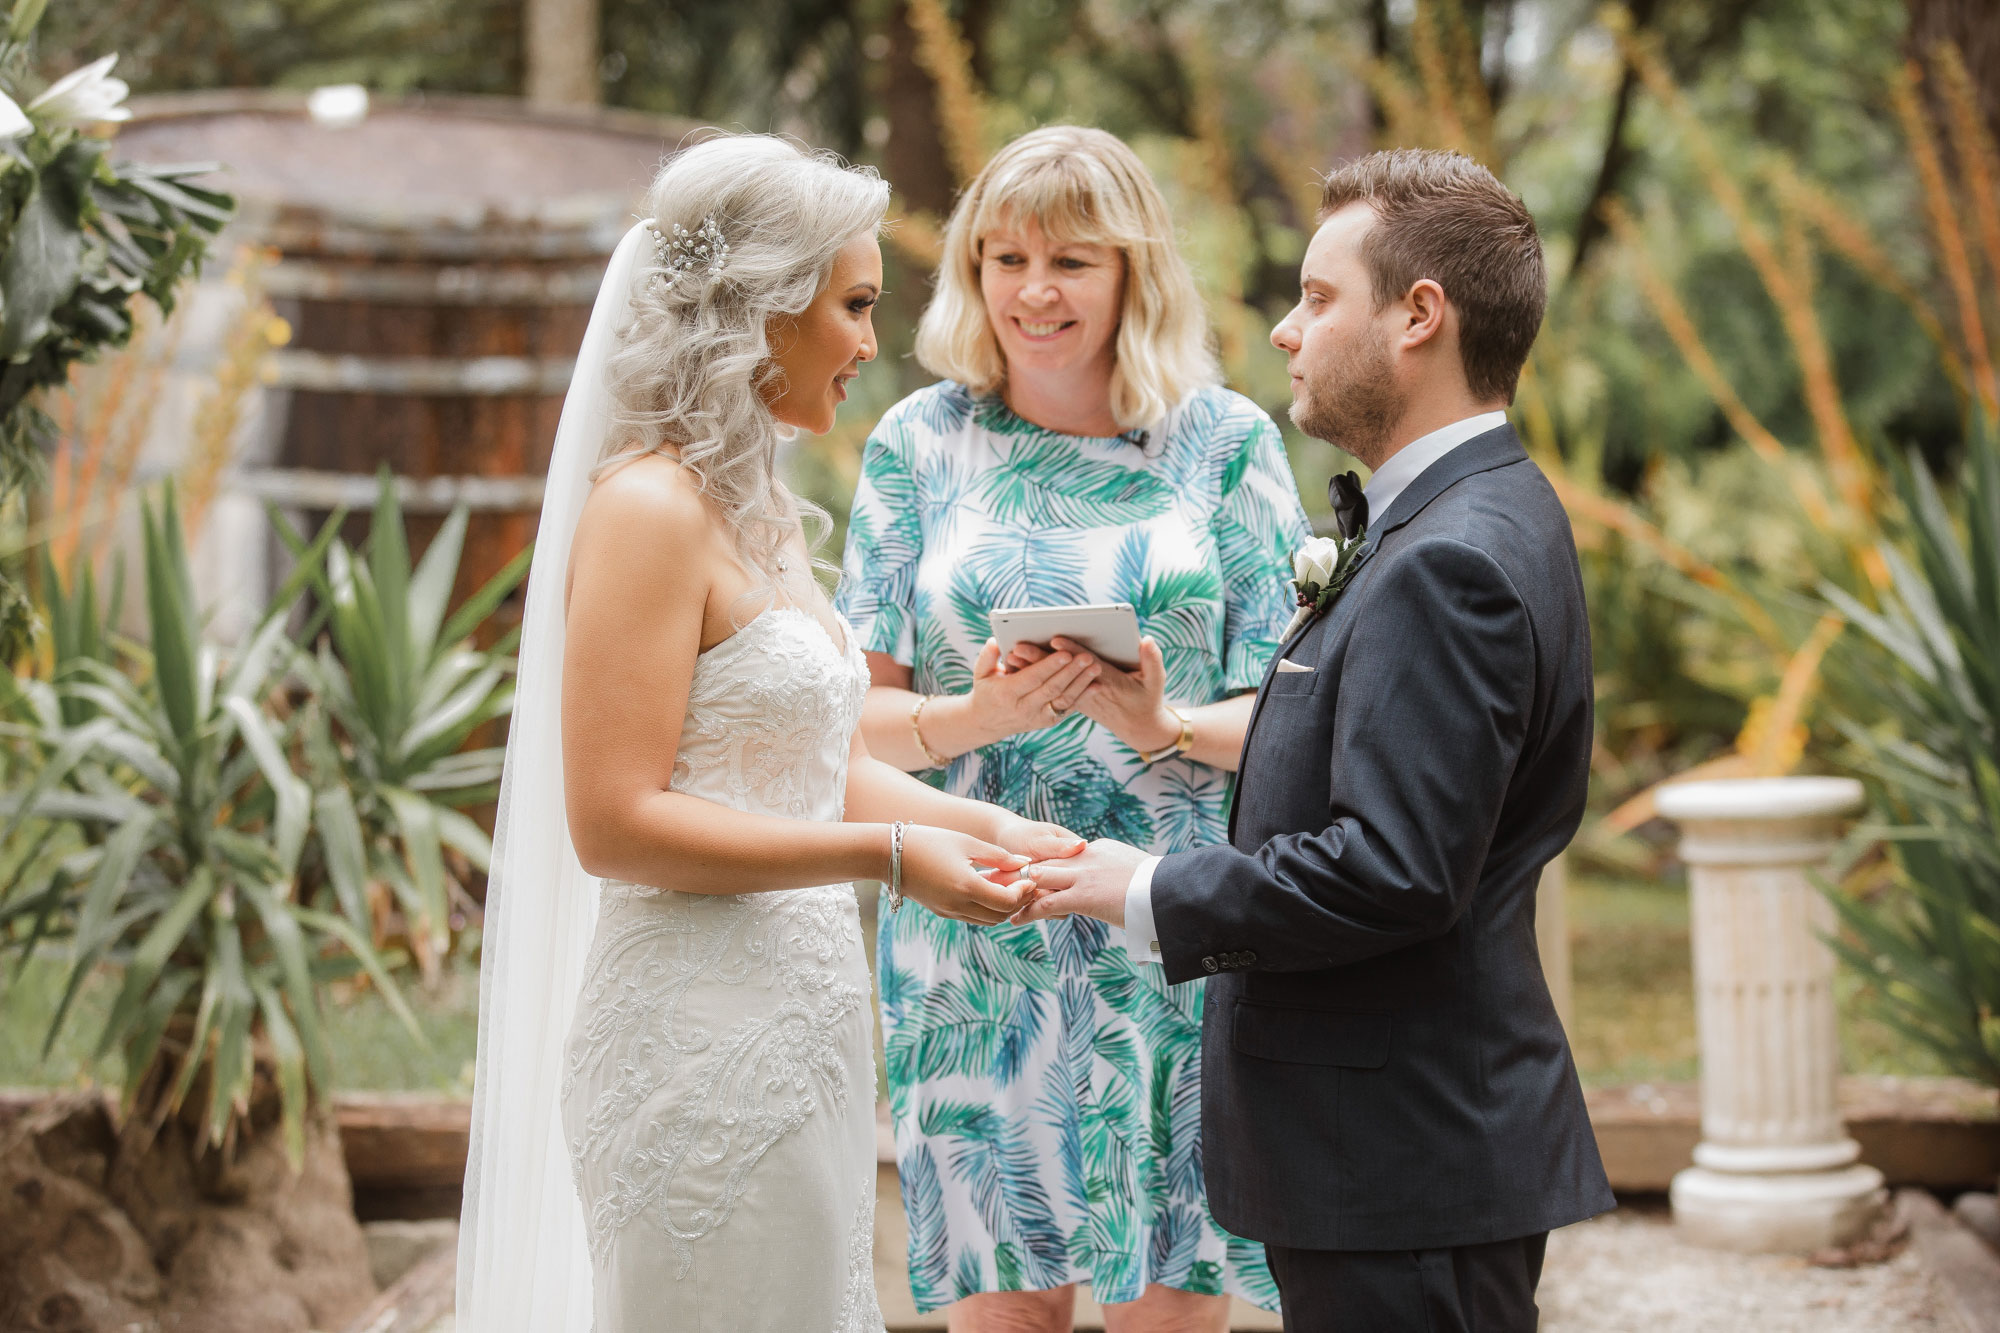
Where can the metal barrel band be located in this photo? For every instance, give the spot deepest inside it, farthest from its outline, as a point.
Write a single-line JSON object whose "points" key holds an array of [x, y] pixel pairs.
{"points": [[479, 376]]}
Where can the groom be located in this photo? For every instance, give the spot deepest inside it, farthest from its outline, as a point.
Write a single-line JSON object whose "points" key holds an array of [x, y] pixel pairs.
{"points": [[1388, 1099]]}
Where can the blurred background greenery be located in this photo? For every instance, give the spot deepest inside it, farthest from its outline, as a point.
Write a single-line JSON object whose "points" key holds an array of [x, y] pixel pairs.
{"points": [[1774, 244], [1647, 140]]}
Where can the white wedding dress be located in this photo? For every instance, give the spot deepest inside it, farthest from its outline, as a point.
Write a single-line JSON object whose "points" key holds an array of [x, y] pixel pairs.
{"points": [[672, 1109], [719, 1082]]}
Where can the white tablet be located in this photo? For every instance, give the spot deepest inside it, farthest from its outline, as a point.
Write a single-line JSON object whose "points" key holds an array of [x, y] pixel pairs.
{"points": [[1111, 631]]}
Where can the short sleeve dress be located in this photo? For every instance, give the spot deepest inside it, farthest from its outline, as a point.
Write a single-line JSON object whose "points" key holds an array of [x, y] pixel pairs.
{"points": [[1045, 1088]]}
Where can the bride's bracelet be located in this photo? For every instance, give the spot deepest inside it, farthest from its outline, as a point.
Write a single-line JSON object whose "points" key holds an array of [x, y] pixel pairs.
{"points": [[896, 865]]}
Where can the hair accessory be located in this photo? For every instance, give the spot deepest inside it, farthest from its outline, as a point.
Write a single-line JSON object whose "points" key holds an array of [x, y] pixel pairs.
{"points": [[685, 250]]}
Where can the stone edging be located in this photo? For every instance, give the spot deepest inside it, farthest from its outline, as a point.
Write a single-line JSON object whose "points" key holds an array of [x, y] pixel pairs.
{"points": [[1966, 1266]]}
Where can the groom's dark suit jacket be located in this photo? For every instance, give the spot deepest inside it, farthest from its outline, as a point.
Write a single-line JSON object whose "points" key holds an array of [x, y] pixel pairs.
{"points": [[1382, 1064]]}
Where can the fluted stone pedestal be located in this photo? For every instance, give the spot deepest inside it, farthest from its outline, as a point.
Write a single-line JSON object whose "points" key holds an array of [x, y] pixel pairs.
{"points": [[1775, 1170]]}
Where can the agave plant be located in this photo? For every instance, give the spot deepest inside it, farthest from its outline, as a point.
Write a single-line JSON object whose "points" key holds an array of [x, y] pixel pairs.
{"points": [[1922, 708], [160, 831], [76, 633], [399, 691]]}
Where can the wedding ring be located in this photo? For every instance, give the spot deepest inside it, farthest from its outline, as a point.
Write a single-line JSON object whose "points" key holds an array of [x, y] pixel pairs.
{"points": [[1058, 709]]}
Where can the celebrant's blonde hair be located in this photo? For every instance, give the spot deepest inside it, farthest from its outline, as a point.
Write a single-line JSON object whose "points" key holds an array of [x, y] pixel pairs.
{"points": [[1080, 186]]}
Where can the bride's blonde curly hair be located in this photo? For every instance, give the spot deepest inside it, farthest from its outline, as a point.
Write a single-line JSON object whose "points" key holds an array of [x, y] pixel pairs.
{"points": [[693, 366]]}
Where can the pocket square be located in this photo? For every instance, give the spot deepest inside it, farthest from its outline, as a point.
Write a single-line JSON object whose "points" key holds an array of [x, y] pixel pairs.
{"points": [[1286, 666]]}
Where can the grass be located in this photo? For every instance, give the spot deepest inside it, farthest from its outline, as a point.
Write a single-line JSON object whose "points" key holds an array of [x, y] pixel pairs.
{"points": [[371, 1049], [1634, 984], [1634, 979], [1629, 950]]}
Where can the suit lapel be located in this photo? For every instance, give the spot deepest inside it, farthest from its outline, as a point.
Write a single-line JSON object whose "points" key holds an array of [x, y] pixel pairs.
{"points": [[1496, 448]]}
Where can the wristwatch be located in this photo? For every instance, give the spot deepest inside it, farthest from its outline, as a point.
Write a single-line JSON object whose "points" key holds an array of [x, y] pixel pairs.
{"points": [[1182, 744]]}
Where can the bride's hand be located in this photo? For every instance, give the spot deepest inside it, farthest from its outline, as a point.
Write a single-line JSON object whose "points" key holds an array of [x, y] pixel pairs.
{"points": [[941, 870], [1035, 840]]}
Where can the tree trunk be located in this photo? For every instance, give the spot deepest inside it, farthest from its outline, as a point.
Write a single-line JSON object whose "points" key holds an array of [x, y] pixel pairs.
{"points": [[914, 158], [1378, 50], [1591, 224], [562, 39]]}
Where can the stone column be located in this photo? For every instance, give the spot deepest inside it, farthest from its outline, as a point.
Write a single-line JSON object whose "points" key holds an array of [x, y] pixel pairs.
{"points": [[1775, 1169]]}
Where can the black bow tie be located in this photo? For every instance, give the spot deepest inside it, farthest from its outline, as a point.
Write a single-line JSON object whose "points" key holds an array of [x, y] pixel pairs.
{"points": [[1350, 506]]}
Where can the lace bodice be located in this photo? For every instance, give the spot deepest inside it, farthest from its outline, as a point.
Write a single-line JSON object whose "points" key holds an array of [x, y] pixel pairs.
{"points": [[771, 716], [770, 719]]}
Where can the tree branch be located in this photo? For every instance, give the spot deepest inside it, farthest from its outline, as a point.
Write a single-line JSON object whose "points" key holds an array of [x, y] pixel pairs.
{"points": [[1592, 225]]}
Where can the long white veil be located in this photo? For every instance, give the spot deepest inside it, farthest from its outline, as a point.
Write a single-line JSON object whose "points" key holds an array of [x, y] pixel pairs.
{"points": [[522, 1260]]}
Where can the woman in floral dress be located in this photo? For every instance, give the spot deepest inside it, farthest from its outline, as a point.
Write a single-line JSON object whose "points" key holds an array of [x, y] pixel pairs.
{"points": [[1045, 1085]]}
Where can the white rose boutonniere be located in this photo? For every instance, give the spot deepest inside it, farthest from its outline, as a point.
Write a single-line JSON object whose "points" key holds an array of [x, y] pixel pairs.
{"points": [[1321, 570]]}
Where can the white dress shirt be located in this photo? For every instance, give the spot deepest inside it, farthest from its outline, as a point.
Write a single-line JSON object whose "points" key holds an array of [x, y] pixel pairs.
{"points": [[1384, 485]]}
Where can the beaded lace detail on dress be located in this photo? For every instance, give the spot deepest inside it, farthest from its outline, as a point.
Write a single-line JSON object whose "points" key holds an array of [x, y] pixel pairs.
{"points": [[713, 1027]]}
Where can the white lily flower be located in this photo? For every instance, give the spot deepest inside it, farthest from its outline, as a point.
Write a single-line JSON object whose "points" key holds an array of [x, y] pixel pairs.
{"points": [[85, 96], [14, 122]]}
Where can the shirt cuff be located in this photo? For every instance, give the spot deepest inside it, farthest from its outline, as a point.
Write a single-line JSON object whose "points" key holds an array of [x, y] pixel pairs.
{"points": [[1140, 938]]}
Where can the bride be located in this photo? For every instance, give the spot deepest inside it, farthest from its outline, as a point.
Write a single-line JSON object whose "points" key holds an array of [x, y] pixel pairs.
{"points": [[673, 1106]]}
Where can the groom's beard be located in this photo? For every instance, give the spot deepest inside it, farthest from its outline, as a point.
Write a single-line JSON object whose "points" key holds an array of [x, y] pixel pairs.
{"points": [[1357, 411]]}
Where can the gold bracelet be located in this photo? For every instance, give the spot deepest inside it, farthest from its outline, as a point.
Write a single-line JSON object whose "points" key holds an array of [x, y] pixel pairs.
{"points": [[917, 730], [1182, 743]]}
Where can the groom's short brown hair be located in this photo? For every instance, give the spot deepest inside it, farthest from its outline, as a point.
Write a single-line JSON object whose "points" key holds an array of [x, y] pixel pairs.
{"points": [[1440, 215]]}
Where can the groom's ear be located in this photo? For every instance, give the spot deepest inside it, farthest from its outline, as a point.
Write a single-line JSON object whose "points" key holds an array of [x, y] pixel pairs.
{"points": [[1424, 308]]}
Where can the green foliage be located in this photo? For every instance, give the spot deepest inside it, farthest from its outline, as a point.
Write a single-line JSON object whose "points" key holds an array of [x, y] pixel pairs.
{"points": [[398, 690], [81, 236], [1920, 697], [161, 833], [84, 234], [211, 825], [468, 46]]}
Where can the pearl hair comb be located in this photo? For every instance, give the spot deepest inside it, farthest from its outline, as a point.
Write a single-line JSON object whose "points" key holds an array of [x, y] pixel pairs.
{"points": [[684, 251]]}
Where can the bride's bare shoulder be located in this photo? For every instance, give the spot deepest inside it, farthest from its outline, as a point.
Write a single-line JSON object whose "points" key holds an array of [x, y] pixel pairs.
{"points": [[639, 502], [645, 532]]}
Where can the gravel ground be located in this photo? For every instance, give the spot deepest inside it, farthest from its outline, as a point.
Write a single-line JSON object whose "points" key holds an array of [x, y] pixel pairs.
{"points": [[1629, 1273]]}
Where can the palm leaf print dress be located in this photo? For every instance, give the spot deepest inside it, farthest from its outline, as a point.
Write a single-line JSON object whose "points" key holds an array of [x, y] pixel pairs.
{"points": [[1045, 1088]]}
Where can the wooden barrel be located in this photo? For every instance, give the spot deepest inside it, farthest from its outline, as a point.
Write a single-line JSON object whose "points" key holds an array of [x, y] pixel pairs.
{"points": [[437, 262]]}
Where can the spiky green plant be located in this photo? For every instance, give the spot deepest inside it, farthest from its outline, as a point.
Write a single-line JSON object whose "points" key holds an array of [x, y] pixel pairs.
{"points": [[399, 690], [160, 831], [1920, 697]]}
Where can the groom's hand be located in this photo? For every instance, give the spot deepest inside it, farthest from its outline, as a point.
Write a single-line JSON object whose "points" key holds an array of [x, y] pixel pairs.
{"points": [[1092, 884]]}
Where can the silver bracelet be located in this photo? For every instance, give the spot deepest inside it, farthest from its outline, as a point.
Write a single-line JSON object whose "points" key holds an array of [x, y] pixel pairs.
{"points": [[896, 865]]}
